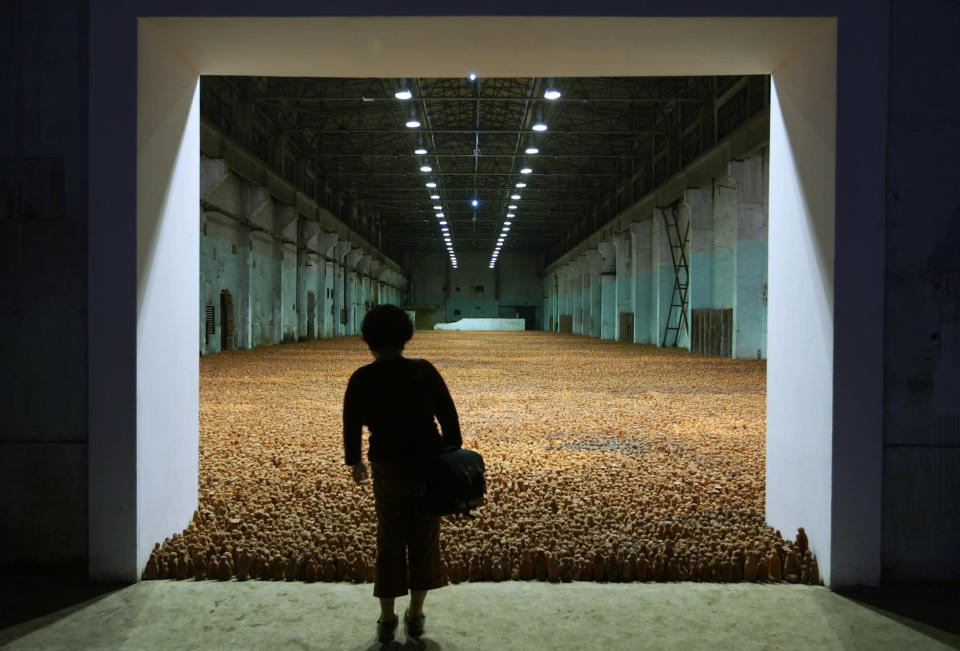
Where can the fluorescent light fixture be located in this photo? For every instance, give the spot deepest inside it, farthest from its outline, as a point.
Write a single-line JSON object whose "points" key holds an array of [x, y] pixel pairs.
{"points": [[532, 151], [403, 93], [474, 203], [438, 207], [426, 168], [510, 214], [507, 223], [539, 126], [439, 214], [420, 151], [443, 223], [473, 76], [526, 170], [551, 93], [512, 207], [506, 228], [431, 184], [515, 197], [415, 124], [434, 196], [445, 229], [521, 185]]}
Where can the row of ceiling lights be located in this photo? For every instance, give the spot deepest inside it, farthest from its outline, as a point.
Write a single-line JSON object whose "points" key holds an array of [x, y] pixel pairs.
{"points": [[414, 123]]}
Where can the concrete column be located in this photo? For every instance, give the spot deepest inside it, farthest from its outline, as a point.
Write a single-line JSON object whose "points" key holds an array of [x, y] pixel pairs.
{"points": [[570, 297], [339, 288], [750, 259], [593, 316], [402, 289], [287, 226], [363, 290], [351, 289], [586, 294], [624, 281], [547, 302], [325, 245], [577, 301], [373, 293], [306, 231], [642, 281], [557, 287], [724, 240], [608, 290], [663, 277], [256, 206], [698, 206]]}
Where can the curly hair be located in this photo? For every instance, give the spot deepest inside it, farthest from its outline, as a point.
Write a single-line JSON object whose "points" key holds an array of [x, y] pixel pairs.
{"points": [[386, 327]]}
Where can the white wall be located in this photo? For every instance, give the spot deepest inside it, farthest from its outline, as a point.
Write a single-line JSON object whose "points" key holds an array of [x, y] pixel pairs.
{"points": [[800, 303], [168, 265]]}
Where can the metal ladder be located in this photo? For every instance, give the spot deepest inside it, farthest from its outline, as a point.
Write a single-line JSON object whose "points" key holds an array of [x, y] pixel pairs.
{"points": [[681, 276]]}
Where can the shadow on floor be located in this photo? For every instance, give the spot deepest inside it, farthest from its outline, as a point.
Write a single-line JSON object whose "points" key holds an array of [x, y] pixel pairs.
{"points": [[45, 594], [932, 611], [425, 644]]}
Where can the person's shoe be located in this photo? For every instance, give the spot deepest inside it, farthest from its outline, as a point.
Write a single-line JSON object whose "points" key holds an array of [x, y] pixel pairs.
{"points": [[414, 625], [385, 631]]}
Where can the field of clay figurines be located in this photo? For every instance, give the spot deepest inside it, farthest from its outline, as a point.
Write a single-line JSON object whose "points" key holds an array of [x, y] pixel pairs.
{"points": [[605, 462]]}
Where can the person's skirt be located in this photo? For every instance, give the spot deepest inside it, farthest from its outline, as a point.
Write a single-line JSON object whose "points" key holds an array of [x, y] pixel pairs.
{"points": [[408, 542]]}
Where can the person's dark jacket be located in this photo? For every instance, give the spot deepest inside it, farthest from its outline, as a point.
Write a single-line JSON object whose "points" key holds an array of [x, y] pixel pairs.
{"points": [[397, 400]]}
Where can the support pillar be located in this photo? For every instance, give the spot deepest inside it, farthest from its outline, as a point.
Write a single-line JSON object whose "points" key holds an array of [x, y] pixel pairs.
{"points": [[663, 277], [255, 205], [642, 281], [750, 259], [373, 288], [351, 289], [571, 303], [577, 303], [698, 206], [340, 286], [623, 305], [608, 290], [326, 244], [594, 298]]}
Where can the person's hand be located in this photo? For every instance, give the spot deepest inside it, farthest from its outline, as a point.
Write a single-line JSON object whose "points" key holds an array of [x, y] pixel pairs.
{"points": [[360, 472]]}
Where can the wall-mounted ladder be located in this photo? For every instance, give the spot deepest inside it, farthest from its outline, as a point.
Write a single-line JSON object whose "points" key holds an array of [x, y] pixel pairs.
{"points": [[677, 314]]}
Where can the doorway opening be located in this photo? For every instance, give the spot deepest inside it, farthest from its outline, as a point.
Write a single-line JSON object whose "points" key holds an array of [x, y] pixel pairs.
{"points": [[800, 53], [227, 321]]}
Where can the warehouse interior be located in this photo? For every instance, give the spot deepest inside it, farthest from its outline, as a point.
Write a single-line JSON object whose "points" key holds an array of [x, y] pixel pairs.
{"points": [[866, 498]]}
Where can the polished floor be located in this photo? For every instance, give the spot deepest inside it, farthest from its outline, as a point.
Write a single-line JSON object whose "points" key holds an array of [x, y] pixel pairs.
{"points": [[511, 615]]}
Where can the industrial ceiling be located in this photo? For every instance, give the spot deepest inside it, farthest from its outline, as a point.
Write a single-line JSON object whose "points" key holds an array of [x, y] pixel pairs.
{"points": [[607, 142]]}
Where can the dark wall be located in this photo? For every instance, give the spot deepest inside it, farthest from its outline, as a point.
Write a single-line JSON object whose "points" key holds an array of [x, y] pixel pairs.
{"points": [[921, 462], [43, 249]]}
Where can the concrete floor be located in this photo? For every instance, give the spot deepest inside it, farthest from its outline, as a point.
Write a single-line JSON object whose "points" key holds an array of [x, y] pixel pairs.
{"points": [[511, 615]]}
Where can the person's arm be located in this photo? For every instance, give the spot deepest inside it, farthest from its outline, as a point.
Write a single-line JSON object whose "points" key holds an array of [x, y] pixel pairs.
{"points": [[446, 412], [352, 424]]}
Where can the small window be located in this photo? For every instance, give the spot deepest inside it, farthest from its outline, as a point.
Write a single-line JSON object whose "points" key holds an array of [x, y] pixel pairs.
{"points": [[456, 312]]}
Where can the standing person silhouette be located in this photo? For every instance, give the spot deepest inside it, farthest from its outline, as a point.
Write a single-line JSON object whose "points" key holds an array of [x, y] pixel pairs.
{"points": [[397, 399]]}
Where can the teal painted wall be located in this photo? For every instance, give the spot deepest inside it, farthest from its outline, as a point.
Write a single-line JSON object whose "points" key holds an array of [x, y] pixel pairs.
{"points": [[643, 307], [288, 299], [608, 306], [596, 306], [750, 308], [701, 280], [723, 279], [220, 269]]}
